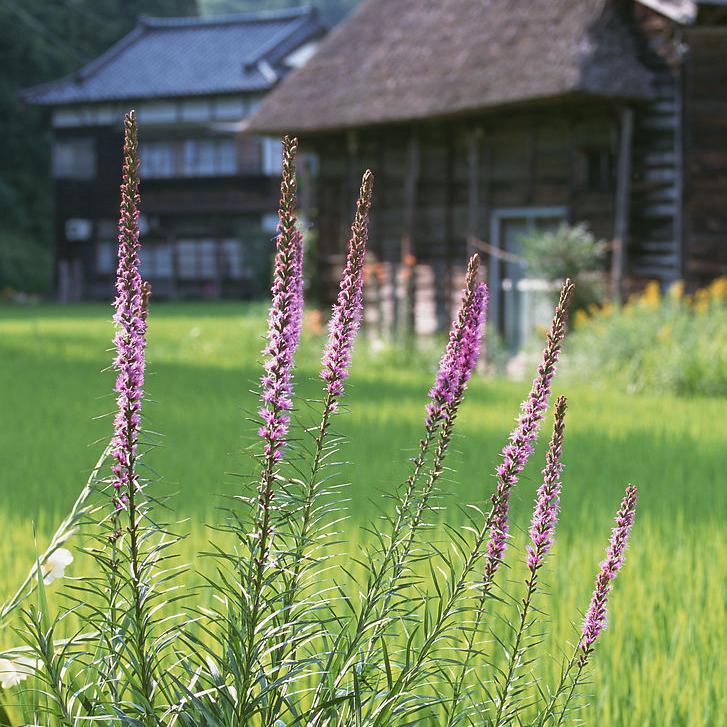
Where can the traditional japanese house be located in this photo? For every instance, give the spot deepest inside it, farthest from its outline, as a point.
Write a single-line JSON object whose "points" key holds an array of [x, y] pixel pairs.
{"points": [[484, 119], [209, 194]]}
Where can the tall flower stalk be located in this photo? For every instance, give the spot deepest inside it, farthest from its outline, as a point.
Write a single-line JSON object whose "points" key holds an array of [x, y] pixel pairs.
{"points": [[130, 318], [284, 323], [522, 440], [542, 535], [456, 367], [343, 327], [455, 371], [306, 516], [460, 356], [284, 329], [130, 338], [446, 396], [595, 619], [348, 309], [514, 455]]}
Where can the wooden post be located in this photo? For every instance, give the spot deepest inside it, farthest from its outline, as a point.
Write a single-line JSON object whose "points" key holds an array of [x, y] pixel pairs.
{"points": [[623, 199], [679, 142], [408, 252], [305, 194], [444, 297], [532, 164], [473, 190], [347, 198]]}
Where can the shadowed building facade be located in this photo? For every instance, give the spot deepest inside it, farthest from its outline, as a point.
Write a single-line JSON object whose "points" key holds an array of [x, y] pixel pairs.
{"points": [[485, 120], [209, 194]]}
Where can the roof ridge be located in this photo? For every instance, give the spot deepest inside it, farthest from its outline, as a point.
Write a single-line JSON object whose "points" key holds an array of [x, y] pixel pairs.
{"points": [[277, 40], [254, 16], [92, 66]]}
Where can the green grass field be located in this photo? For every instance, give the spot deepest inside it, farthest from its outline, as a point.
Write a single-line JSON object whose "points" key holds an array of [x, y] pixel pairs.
{"points": [[663, 658]]}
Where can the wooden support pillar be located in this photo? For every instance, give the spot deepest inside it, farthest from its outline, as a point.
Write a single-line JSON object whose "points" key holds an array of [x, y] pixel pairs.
{"points": [[305, 194], [623, 200], [408, 250], [532, 164], [444, 288], [474, 142]]}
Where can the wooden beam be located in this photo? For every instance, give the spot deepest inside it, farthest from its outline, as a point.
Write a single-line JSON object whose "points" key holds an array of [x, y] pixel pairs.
{"points": [[408, 250], [444, 307], [623, 199], [532, 164], [473, 189]]}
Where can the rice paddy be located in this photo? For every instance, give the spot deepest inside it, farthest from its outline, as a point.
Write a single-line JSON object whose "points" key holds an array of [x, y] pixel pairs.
{"points": [[662, 660]]}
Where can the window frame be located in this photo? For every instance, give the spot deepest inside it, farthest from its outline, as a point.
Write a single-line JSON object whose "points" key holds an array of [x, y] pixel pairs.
{"points": [[498, 216], [69, 168]]}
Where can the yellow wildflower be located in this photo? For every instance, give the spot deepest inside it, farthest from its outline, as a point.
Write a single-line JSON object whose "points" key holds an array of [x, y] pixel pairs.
{"points": [[651, 297]]}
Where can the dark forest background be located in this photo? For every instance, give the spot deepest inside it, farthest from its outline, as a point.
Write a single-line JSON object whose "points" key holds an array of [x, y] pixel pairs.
{"points": [[41, 40]]}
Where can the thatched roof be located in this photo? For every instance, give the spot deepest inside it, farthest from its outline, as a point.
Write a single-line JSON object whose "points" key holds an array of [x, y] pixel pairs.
{"points": [[400, 60]]}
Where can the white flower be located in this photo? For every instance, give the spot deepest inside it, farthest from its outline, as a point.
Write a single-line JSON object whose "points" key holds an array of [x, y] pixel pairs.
{"points": [[14, 672], [56, 564]]}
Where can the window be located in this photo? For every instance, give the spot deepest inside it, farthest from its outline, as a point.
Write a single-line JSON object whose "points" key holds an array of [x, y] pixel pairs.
{"points": [[209, 157], [272, 156], [74, 159], [600, 170], [515, 304], [157, 159], [229, 109], [196, 110], [105, 257], [269, 222], [78, 229], [196, 259], [207, 259], [231, 259], [156, 260]]}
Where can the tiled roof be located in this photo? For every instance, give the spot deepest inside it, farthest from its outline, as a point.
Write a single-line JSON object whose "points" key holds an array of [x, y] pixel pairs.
{"points": [[174, 57]]}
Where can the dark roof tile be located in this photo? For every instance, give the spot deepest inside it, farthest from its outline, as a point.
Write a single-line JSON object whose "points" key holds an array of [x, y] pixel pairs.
{"points": [[176, 57]]}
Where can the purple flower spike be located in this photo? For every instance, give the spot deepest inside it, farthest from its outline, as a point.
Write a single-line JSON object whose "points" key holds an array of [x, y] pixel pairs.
{"points": [[545, 514], [516, 452], [346, 316], [285, 317], [130, 320], [595, 620], [463, 348], [297, 307]]}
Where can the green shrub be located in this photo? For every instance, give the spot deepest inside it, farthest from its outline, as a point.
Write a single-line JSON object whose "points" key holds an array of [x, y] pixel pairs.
{"points": [[572, 251], [657, 342]]}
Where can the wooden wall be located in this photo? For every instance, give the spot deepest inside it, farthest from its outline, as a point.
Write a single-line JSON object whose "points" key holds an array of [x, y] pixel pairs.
{"points": [[170, 199], [438, 183], [705, 157]]}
